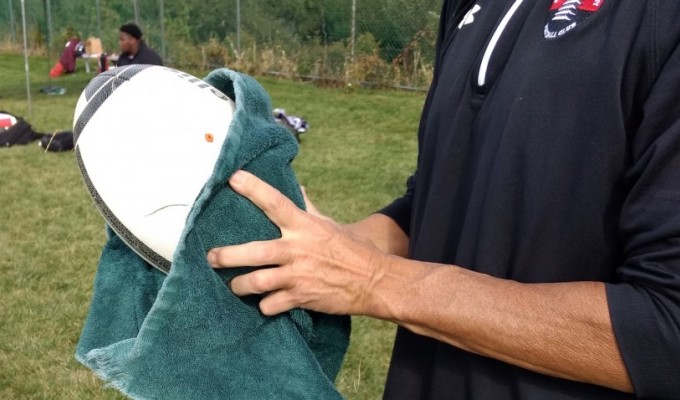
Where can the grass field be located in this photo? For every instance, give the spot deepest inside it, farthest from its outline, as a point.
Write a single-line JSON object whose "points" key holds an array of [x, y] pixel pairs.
{"points": [[355, 158]]}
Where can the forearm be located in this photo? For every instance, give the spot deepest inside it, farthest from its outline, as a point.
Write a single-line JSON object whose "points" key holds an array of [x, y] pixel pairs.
{"points": [[561, 329], [383, 232]]}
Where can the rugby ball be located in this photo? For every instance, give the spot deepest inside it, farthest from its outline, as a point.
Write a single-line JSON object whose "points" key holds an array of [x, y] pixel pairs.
{"points": [[147, 139]]}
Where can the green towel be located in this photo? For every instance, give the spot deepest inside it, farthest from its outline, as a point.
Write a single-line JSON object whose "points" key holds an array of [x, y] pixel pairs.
{"points": [[185, 335]]}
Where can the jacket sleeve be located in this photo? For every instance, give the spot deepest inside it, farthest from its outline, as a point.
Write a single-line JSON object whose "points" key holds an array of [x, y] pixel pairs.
{"points": [[400, 209], [644, 303]]}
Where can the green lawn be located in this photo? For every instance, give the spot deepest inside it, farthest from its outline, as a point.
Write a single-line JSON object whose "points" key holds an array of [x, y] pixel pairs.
{"points": [[355, 158]]}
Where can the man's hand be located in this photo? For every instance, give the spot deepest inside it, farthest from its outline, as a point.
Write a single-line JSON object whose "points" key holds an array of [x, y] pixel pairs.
{"points": [[316, 264]]}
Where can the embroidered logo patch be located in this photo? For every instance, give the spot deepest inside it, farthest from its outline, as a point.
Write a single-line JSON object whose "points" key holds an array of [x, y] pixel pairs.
{"points": [[566, 14]]}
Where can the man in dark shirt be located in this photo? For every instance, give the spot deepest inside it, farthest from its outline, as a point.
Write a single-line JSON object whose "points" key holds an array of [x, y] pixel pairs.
{"points": [[133, 49], [536, 251]]}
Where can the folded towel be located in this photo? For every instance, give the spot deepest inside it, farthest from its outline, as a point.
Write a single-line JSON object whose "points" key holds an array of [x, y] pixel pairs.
{"points": [[185, 335]]}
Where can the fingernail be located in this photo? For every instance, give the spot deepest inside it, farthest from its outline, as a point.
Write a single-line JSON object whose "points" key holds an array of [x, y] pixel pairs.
{"points": [[212, 258], [238, 178]]}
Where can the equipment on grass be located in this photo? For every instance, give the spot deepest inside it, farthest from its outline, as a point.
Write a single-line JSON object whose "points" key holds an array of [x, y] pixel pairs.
{"points": [[53, 90], [294, 124], [15, 130], [58, 141], [66, 64], [7, 120], [147, 139]]}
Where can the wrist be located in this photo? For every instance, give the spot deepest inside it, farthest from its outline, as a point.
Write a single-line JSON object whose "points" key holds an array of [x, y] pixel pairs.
{"points": [[386, 287]]}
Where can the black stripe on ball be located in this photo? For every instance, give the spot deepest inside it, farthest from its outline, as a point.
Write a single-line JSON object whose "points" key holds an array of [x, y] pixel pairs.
{"points": [[100, 88], [153, 258]]}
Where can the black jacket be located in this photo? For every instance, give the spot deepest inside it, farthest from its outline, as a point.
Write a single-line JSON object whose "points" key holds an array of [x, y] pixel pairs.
{"points": [[549, 151], [145, 55]]}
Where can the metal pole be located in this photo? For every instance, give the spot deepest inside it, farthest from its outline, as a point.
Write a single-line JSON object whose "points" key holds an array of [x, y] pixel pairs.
{"points": [[134, 5], [48, 17], [238, 26], [28, 78], [99, 22], [354, 30], [11, 23], [161, 12]]}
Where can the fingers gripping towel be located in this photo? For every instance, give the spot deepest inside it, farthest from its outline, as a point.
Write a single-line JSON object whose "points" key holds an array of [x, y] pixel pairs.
{"points": [[185, 335]]}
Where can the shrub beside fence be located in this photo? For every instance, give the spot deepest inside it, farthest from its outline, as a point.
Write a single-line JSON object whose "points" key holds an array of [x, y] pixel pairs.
{"points": [[369, 42]]}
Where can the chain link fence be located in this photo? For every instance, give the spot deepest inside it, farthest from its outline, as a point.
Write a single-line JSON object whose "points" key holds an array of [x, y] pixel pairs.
{"points": [[336, 42]]}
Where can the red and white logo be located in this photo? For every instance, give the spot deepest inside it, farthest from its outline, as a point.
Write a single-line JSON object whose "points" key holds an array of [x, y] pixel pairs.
{"points": [[6, 121], [566, 14]]}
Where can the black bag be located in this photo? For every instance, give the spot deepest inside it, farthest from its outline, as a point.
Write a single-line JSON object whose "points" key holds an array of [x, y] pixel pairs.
{"points": [[19, 133], [59, 141]]}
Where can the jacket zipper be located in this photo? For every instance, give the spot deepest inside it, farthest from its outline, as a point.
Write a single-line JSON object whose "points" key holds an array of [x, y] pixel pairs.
{"points": [[484, 66]]}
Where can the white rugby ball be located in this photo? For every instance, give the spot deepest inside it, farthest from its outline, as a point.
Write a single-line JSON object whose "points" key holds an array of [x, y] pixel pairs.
{"points": [[147, 139]]}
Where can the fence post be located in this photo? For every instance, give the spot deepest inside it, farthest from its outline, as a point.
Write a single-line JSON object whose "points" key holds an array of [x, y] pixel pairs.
{"points": [[99, 22], [48, 18], [238, 28], [134, 6], [354, 31], [161, 12], [28, 75], [11, 24]]}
